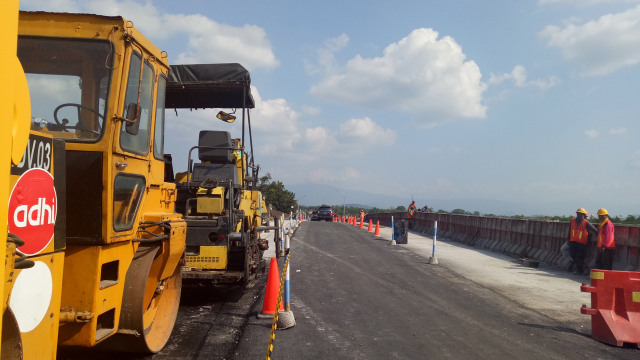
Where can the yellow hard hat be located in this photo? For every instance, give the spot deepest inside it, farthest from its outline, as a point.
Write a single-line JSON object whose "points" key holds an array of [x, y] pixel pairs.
{"points": [[582, 210], [603, 211]]}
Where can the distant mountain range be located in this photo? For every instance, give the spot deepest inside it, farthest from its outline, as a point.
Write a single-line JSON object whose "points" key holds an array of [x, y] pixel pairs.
{"points": [[309, 194]]}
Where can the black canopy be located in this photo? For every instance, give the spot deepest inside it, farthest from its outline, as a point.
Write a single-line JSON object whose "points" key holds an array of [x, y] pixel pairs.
{"points": [[202, 86]]}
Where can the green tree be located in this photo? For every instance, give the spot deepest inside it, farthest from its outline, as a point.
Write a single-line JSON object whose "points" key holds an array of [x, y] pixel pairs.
{"points": [[276, 194]]}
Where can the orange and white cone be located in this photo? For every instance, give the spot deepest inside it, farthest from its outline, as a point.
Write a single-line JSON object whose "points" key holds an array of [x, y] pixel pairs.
{"points": [[271, 292]]}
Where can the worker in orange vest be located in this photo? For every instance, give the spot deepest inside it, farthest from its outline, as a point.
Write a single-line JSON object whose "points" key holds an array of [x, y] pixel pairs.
{"points": [[579, 233], [411, 209], [606, 242]]}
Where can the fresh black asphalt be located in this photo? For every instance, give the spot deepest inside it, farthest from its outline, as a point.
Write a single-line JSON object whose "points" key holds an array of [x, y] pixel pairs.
{"points": [[357, 297]]}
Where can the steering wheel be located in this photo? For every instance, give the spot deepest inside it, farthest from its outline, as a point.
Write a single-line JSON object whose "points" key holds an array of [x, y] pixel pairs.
{"points": [[80, 125]]}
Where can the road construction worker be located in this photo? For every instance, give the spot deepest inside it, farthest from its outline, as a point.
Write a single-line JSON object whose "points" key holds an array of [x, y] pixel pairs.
{"points": [[361, 216], [580, 232], [606, 243], [411, 209]]}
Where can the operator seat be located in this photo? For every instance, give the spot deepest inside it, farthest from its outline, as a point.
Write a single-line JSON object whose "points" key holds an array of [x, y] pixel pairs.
{"points": [[221, 140], [216, 156]]}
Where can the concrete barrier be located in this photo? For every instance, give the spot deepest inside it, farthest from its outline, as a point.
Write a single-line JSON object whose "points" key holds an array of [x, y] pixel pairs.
{"points": [[532, 239]]}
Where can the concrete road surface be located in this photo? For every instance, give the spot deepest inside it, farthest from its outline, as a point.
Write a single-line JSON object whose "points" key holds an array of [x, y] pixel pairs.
{"points": [[358, 297]]}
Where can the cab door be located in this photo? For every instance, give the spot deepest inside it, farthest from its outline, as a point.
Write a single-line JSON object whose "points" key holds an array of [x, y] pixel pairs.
{"points": [[131, 161]]}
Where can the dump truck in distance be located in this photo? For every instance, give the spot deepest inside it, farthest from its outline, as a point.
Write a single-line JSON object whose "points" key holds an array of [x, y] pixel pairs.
{"points": [[100, 245]]}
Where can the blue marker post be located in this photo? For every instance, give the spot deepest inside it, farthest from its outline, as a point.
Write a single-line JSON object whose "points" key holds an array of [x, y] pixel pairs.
{"points": [[281, 240], [287, 298], [433, 260], [393, 233], [286, 318]]}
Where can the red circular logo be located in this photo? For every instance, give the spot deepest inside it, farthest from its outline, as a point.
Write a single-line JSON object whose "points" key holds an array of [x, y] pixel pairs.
{"points": [[32, 210]]}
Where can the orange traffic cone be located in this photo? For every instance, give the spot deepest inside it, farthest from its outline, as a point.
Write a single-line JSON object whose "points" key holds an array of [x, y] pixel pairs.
{"points": [[377, 233], [369, 229], [361, 223], [271, 292]]}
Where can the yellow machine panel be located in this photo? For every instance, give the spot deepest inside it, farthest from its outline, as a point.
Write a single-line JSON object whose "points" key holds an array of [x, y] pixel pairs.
{"points": [[210, 258], [93, 283], [211, 205]]}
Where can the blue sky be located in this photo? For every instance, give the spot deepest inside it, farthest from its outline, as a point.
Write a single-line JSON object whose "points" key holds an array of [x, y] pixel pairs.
{"points": [[530, 102]]}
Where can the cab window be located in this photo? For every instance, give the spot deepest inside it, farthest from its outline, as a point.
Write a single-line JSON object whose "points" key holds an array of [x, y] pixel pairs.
{"points": [[138, 143], [127, 192], [158, 132], [69, 83]]}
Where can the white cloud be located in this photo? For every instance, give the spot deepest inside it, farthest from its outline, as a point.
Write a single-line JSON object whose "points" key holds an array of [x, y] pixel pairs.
{"points": [[618, 131], [602, 46], [207, 40], [276, 123], [364, 132], [210, 41], [519, 77], [354, 136], [326, 61], [319, 139], [420, 74], [277, 130], [592, 133]]}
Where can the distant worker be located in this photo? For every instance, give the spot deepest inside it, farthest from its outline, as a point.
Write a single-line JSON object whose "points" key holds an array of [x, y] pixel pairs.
{"points": [[606, 243], [411, 209], [425, 209], [361, 216], [579, 233]]}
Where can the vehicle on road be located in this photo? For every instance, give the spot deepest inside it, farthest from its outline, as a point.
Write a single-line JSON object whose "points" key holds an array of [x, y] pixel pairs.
{"points": [[314, 215], [325, 213]]}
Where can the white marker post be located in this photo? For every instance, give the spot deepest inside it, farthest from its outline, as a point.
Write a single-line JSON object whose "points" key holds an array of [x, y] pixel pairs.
{"points": [[433, 260]]}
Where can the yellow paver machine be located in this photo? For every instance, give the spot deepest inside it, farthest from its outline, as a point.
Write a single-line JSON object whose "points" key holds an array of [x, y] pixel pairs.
{"points": [[218, 196]]}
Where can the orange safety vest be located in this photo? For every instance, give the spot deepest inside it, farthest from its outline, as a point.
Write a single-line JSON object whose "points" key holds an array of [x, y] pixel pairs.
{"points": [[605, 235], [579, 233], [410, 210]]}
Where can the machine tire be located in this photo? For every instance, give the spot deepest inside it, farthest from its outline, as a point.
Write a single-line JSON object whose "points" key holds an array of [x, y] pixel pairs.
{"points": [[247, 265], [149, 306], [11, 340]]}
